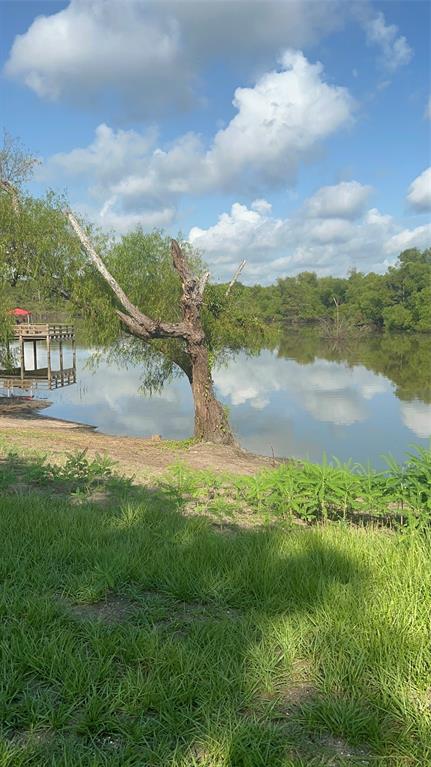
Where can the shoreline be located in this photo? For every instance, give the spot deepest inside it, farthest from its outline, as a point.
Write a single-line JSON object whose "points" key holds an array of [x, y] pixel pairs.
{"points": [[24, 427], [23, 409]]}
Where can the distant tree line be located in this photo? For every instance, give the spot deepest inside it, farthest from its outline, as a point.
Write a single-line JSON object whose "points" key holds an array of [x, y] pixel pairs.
{"points": [[400, 299]]}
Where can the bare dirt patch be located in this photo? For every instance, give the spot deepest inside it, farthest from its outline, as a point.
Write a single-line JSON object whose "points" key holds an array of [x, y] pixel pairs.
{"points": [[30, 737], [139, 456], [113, 609], [338, 751], [160, 610], [300, 688], [179, 615]]}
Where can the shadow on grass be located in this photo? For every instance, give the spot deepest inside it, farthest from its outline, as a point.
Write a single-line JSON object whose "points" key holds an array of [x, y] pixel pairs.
{"points": [[146, 638], [79, 478]]}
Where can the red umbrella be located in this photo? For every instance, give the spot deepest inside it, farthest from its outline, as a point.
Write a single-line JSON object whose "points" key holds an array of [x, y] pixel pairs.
{"points": [[20, 312]]}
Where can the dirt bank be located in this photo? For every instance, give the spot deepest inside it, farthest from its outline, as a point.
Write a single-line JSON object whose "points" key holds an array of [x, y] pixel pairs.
{"points": [[22, 426]]}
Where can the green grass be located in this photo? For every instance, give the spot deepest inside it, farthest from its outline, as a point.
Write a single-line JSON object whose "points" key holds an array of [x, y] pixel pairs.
{"points": [[312, 492], [280, 645]]}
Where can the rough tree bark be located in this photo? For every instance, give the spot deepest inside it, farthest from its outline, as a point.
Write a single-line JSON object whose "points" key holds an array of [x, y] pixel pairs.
{"points": [[211, 421]]}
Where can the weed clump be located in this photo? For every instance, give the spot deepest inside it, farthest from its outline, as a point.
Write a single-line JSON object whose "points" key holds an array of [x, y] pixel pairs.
{"points": [[310, 492]]}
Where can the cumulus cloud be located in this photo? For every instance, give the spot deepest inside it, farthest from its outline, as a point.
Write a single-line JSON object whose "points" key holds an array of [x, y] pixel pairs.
{"points": [[148, 53], [275, 246], [253, 233], [279, 121], [419, 237], [92, 47], [123, 222], [278, 124], [106, 160], [345, 200], [419, 193], [394, 48]]}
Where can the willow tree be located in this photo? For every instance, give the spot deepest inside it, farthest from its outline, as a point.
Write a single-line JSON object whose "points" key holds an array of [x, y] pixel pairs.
{"points": [[186, 343], [144, 298]]}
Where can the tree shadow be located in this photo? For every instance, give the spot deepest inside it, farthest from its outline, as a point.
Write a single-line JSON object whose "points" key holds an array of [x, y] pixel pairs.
{"points": [[79, 479], [175, 643]]}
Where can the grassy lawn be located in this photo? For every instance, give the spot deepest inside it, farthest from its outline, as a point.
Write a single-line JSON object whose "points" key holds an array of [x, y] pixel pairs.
{"points": [[135, 634]]}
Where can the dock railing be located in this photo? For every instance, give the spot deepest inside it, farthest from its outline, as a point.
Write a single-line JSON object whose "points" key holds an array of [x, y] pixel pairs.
{"points": [[32, 331]]}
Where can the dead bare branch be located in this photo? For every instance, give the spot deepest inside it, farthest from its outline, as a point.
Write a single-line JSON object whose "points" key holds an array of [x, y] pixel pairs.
{"points": [[181, 263], [10, 189], [135, 320], [235, 276], [202, 282]]}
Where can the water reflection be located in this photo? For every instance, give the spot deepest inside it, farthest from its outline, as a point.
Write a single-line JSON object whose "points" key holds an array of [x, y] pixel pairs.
{"points": [[301, 399], [417, 416], [329, 391], [36, 365], [403, 359]]}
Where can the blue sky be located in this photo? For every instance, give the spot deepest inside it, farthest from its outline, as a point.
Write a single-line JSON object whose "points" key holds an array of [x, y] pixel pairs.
{"points": [[294, 134]]}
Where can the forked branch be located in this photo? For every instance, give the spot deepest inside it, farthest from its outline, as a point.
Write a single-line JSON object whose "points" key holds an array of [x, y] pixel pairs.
{"points": [[136, 322]]}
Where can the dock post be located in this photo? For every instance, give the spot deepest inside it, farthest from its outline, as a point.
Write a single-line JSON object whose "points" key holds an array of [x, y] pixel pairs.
{"points": [[74, 358], [22, 359], [35, 355], [48, 350], [61, 361]]}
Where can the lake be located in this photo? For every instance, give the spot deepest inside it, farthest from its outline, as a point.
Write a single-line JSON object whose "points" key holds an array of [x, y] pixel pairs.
{"points": [[360, 399]]}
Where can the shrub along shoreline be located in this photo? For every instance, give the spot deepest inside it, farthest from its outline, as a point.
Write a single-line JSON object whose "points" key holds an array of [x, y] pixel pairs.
{"points": [[294, 490]]}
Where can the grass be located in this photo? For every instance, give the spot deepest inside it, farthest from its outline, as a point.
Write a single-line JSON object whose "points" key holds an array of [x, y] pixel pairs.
{"points": [[136, 635], [319, 492]]}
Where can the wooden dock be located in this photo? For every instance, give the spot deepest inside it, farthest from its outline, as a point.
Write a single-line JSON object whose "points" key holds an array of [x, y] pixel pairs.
{"points": [[51, 336]]}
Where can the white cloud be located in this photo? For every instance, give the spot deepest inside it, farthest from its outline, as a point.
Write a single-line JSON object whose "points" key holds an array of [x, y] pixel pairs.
{"points": [[419, 194], [345, 200], [428, 109], [148, 53], [279, 122], [278, 125], [250, 232], [332, 230], [94, 45], [420, 237], [107, 160], [122, 222], [280, 246], [394, 49]]}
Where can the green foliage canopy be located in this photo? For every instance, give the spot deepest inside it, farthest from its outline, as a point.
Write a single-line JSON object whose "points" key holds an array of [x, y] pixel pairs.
{"points": [[400, 299], [39, 254]]}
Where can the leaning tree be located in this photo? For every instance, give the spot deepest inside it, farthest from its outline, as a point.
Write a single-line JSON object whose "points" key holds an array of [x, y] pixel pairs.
{"points": [[145, 297], [192, 354]]}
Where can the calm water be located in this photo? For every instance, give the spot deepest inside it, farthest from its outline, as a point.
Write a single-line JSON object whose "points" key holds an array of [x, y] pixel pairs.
{"points": [[302, 399]]}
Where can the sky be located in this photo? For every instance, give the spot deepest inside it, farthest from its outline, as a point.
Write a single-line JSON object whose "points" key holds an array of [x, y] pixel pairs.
{"points": [[292, 133]]}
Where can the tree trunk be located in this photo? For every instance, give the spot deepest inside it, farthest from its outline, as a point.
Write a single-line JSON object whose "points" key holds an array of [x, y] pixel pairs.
{"points": [[211, 421]]}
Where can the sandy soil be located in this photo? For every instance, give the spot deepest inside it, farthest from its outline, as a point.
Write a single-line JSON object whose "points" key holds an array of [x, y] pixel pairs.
{"points": [[22, 426]]}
